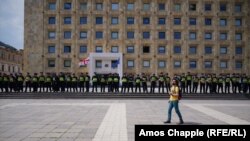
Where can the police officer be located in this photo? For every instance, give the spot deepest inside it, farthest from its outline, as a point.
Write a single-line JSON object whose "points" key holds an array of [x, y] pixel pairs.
{"points": [[220, 83], [248, 84], [167, 82], [87, 79], [161, 82], [183, 82], [124, 83], [41, 82], [131, 83], [27, 82], [81, 82], [195, 83], [1, 82], [12, 80], [74, 83], [94, 82], [238, 83], [116, 82], [244, 83], [234, 83], [20, 80], [202, 83], [6, 82], [55, 82], [62, 82], [144, 83], [209, 83], [153, 80], [214, 83], [110, 83], [103, 83], [137, 83], [227, 84], [48, 82], [35, 82], [189, 82]]}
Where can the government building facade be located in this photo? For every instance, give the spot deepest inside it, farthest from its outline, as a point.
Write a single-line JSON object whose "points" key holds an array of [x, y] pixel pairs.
{"points": [[137, 36]]}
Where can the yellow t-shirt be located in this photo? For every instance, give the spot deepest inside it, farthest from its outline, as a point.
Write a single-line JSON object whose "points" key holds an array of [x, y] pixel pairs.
{"points": [[174, 90]]}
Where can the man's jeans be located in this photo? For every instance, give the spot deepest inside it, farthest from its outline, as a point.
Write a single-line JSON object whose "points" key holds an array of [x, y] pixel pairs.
{"points": [[175, 105]]}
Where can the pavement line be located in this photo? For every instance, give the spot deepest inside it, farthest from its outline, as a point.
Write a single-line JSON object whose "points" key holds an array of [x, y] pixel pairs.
{"points": [[217, 115], [114, 125]]}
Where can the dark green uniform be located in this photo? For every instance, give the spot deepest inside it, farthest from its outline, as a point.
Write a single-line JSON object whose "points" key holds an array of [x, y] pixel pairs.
{"points": [[202, 84], [35, 83], [87, 79], [161, 83], [27, 83], [103, 83], [94, 83], [144, 84], [116, 83], [62, 82], [195, 84], [209, 84], [137, 84], [153, 80], [41, 83], [189, 83], [220, 84], [81, 82], [48, 83], [20, 80], [227, 84], [183, 83], [124, 83], [74, 83], [167, 82]]}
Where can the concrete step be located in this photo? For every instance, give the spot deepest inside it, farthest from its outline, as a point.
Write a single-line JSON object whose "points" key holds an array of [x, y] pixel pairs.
{"points": [[64, 95]]}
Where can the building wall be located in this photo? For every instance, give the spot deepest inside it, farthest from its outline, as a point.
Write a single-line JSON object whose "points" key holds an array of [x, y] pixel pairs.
{"points": [[10, 60], [37, 29]]}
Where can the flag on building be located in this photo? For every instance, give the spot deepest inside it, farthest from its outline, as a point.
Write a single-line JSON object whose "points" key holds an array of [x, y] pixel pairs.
{"points": [[115, 63], [84, 62]]}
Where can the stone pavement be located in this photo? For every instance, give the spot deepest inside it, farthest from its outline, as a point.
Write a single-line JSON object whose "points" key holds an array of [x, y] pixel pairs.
{"points": [[105, 119]]}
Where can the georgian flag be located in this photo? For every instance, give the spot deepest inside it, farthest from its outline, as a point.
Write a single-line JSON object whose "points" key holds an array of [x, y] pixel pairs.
{"points": [[84, 62]]}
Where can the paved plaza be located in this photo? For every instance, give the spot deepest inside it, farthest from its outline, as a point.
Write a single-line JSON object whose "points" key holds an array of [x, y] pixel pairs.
{"points": [[105, 120]]}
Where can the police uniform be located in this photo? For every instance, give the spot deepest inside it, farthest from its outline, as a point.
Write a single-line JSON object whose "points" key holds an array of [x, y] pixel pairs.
{"points": [[244, 84], [124, 83], [238, 83], [110, 83], [220, 84], [94, 83], [214, 84], [131, 83], [137, 84], [48, 83], [248, 84], [195, 83], [87, 79], [81, 82], [183, 83], [144, 83], [116, 83], [55, 82], [153, 80], [1, 82], [227, 84], [41, 82], [12, 80], [202, 84], [209, 84], [27, 82], [35, 82], [189, 83], [62, 82], [20, 80], [103, 83], [161, 83], [6, 82], [68, 83], [74, 83], [167, 82], [234, 83]]}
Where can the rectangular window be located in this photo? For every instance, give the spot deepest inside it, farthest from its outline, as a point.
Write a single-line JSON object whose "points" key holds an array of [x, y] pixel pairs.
{"points": [[208, 64], [51, 49], [208, 36], [130, 20], [223, 64], [83, 6], [114, 35], [208, 21], [177, 21], [114, 63], [146, 49], [223, 22], [177, 35], [208, 50], [52, 35], [114, 49], [146, 6], [223, 7], [192, 36], [161, 35], [83, 20], [52, 20], [161, 64], [146, 35], [238, 64], [67, 49], [161, 50], [67, 34], [223, 36], [177, 7], [238, 36], [67, 63], [83, 35], [223, 50], [51, 63], [192, 7], [130, 49], [130, 35], [114, 6], [208, 7], [161, 21], [98, 49], [98, 6], [146, 63], [238, 50], [130, 63], [177, 64], [161, 6], [83, 49], [98, 63], [130, 6], [192, 50], [98, 20], [67, 20], [98, 35], [237, 7], [52, 6], [192, 64], [114, 20], [146, 21], [192, 21], [177, 49], [67, 6], [238, 22]]}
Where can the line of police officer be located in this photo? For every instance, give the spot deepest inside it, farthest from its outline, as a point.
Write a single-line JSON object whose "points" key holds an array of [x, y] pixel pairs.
{"points": [[51, 82]]}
